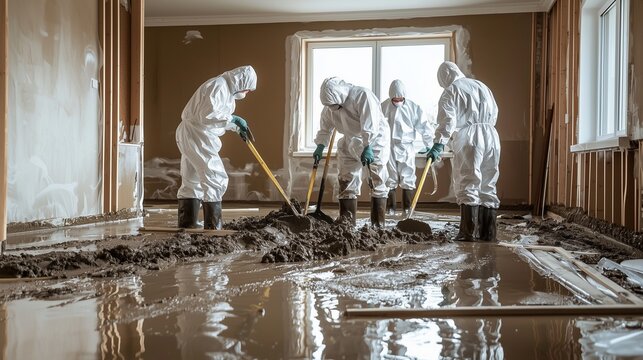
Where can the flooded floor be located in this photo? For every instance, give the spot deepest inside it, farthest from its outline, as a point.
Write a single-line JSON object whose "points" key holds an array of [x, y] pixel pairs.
{"points": [[232, 306]]}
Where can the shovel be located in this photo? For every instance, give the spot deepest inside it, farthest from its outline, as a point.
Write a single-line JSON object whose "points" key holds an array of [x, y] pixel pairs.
{"points": [[296, 223], [318, 214], [311, 184], [408, 224]]}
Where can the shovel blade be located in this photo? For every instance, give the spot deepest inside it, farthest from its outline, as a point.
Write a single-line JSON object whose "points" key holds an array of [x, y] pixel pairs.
{"points": [[319, 215], [414, 226], [296, 223]]}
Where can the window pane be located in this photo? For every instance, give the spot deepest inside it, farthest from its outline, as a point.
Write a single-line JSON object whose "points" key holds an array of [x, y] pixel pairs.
{"points": [[608, 91], [417, 67], [352, 64]]}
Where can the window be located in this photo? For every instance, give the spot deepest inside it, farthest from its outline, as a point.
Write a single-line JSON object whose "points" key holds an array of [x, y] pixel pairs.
{"points": [[373, 64], [603, 71]]}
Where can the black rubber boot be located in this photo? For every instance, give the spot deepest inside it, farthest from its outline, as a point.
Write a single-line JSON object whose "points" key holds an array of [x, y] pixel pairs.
{"points": [[407, 195], [390, 203], [348, 207], [378, 212], [212, 215], [468, 221], [189, 213], [487, 224]]}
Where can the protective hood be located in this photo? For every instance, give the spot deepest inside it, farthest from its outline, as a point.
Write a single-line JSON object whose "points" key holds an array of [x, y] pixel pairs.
{"points": [[448, 73], [397, 89], [241, 78], [334, 91]]}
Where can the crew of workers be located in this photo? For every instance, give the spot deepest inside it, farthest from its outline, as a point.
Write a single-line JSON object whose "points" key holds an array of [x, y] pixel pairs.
{"points": [[377, 138]]}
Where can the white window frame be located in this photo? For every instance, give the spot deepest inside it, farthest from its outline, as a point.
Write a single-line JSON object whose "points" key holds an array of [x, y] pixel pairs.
{"points": [[592, 55], [305, 145]]}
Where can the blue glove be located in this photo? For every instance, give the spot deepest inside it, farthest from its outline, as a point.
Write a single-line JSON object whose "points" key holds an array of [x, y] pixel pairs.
{"points": [[367, 156], [434, 152], [242, 125], [319, 152]]}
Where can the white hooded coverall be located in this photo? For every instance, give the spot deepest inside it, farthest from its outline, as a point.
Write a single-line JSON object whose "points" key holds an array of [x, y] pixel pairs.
{"points": [[361, 121], [405, 121], [468, 108], [205, 118]]}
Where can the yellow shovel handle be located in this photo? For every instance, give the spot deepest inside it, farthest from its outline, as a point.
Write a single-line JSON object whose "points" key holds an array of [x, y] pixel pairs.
{"points": [[270, 175], [419, 189], [311, 184]]}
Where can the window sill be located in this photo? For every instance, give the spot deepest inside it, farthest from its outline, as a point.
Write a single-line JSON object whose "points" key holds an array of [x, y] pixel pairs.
{"points": [[615, 143], [302, 154]]}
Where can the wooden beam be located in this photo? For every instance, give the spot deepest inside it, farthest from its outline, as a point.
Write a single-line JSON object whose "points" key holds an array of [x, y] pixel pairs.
{"points": [[107, 87], [4, 88], [116, 100], [617, 185], [630, 193], [498, 311], [137, 45], [532, 108], [591, 205]]}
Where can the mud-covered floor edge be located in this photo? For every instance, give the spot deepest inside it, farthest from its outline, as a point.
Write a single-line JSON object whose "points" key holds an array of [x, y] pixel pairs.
{"points": [[124, 214], [618, 233]]}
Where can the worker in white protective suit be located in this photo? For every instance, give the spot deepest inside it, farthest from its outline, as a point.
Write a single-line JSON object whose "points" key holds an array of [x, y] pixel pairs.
{"points": [[355, 112], [207, 116], [468, 110], [406, 119]]}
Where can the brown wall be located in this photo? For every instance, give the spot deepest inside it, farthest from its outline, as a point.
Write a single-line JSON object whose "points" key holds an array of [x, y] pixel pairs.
{"points": [[499, 48], [636, 70]]}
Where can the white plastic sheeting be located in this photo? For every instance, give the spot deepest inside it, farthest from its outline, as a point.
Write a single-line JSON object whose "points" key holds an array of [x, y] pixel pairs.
{"points": [[163, 178], [54, 111]]}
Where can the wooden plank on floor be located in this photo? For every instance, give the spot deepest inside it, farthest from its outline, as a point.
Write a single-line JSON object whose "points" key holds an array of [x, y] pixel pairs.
{"points": [[497, 311], [153, 229]]}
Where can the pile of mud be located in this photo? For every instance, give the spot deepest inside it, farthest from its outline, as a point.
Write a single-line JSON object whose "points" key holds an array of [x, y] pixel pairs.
{"points": [[326, 241], [574, 238], [272, 219], [618, 232], [126, 258], [282, 241], [323, 241]]}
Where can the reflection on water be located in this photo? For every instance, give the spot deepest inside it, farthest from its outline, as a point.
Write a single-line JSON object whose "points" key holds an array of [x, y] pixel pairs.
{"points": [[235, 307]]}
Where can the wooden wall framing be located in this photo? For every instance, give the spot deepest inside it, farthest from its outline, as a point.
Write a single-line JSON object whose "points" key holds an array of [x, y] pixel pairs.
{"points": [[4, 88], [604, 183], [121, 32]]}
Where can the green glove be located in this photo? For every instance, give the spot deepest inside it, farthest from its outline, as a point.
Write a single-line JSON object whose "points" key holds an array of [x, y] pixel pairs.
{"points": [[242, 125], [319, 152], [367, 156], [434, 152]]}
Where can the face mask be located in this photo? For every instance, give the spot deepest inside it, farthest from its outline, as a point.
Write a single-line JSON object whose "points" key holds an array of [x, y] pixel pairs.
{"points": [[239, 95], [335, 107], [397, 103]]}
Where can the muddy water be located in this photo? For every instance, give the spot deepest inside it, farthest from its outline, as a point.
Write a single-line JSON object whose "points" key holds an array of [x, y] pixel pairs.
{"points": [[235, 307]]}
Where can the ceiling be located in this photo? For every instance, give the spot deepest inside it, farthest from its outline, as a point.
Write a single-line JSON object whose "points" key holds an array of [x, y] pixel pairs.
{"points": [[210, 12]]}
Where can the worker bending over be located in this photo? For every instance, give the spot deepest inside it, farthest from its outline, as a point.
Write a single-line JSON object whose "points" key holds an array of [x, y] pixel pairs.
{"points": [[468, 108], [355, 112], [207, 116]]}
